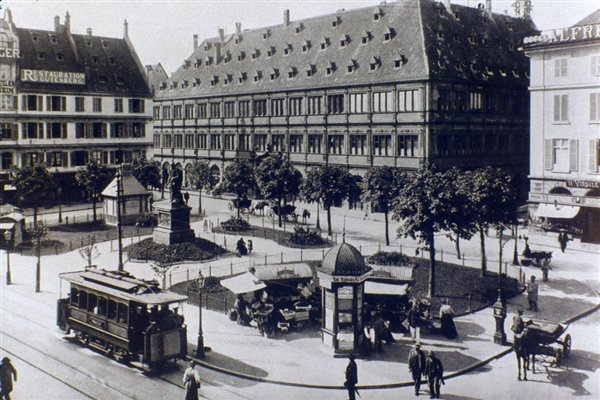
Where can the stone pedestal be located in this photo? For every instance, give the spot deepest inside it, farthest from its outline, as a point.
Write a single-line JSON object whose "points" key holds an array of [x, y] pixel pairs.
{"points": [[173, 223]]}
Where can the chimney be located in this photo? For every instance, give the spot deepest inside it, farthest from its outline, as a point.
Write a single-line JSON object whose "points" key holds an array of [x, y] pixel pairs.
{"points": [[125, 29], [68, 22], [195, 42], [89, 31], [488, 7], [286, 17], [56, 23], [221, 35], [447, 3], [238, 28]]}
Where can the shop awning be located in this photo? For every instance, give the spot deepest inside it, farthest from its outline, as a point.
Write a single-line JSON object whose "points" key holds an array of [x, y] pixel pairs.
{"points": [[385, 288], [559, 211], [7, 225], [283, 271], [244, 283]]}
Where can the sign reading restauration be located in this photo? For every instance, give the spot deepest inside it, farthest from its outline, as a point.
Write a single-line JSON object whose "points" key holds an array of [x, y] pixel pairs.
{"points": [[68, 78]]}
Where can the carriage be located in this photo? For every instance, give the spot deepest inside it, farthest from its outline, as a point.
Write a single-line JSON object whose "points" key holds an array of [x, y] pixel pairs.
{"points": [[548, 342], [245, 205], [287, 211], [535, 258], [128, 319]]}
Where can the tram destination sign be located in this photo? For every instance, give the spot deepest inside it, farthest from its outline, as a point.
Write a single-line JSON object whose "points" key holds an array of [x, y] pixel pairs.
{"points": [[41, 76]]}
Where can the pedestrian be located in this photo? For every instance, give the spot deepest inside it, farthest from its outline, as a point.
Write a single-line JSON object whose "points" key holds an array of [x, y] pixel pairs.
{"points": [[7, 372], [416, 365], [205, 226], [532, 294], [415, 321], [563, 239], [368, 338], [241, 247], [351, 378], [544, 265], [434, 371], [447, 318], [191, 381], [518, 325], [379, 331], [186, 197], [250, 246]]}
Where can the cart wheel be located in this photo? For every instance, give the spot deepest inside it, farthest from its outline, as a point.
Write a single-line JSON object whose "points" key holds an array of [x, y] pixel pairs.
{"points": [[271, 214], [230, 206], [567, 345]]}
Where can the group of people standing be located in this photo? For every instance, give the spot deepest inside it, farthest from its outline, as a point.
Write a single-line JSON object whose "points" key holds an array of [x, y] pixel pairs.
{"points": [[429, 366]]}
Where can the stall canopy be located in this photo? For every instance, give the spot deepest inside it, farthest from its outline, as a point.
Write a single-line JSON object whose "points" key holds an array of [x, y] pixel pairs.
{"points": [[552, 211], [385, 288], [283, 271], [244, 283]]}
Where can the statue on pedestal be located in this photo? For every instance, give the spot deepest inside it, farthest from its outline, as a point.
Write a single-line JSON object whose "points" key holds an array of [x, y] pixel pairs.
{"points": [[175, 182]]}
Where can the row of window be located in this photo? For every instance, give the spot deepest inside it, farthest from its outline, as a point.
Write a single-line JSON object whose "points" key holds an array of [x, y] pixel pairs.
{"points": [[76, 158], [561, 67], [561, 107], [354, 103], [31, 102], [89, 130], [99, 305], [478, 144], [562, 155]]}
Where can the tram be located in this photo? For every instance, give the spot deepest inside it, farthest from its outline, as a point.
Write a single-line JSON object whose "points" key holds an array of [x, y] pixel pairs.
{"points": [[128, 319]]}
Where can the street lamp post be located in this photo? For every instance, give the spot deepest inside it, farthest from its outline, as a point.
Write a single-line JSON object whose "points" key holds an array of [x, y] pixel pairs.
{"points": [[60, 219], [515, 252], [8, 239], [119, 233], [200, 344]]}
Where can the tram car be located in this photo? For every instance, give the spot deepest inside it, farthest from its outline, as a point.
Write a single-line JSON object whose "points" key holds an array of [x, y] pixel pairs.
{"points": [[128, 319]]}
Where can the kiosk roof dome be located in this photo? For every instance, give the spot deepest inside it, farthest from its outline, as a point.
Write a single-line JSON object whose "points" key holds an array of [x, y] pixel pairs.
{"points": [[344, 259]]}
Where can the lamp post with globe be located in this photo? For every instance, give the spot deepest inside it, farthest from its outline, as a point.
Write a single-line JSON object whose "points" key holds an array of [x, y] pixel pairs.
{"points": [[8, 240], [200, 344]]}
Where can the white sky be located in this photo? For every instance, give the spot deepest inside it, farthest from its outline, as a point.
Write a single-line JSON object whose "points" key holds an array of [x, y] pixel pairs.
{"points": [[161, 30]]}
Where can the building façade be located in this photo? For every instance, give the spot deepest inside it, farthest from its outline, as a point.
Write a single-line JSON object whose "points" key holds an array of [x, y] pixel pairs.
{"points": [[565, 128], [396, 84], [67, 99]]}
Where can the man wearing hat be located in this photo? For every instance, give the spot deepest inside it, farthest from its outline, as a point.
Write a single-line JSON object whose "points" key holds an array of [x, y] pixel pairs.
{"points": [[434, 371], [7, 371], [351, 377], [416, 365], [191, 381]]}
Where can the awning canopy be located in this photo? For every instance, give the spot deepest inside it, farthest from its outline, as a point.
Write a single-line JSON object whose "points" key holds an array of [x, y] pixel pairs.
{"points": [[283, 271], [7, 225], [385, 288], [559, 211], [244, 283]]}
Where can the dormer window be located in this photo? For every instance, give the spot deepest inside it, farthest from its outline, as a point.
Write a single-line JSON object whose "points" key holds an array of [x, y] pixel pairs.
{"points": [[375, 63], [471, 39], [41, 55], [196, 82], [241, 56], [163, 85], [439, 35], [266, 34], [488, 71], [366, 37], [257, 76], [330, 68], [352, 66], [336, 21], [226, 58], [207, 46], [274, 74], [34, 37], [292, 71], [60, 57], [388, 34], [88, 43], [103, 79], [305, 46], [377, 14], [503, 72], [238, 39], [228, 79], [186, 64], [208, 60], [510, 26], [174, 85], [310, 70], [516, 73], [255, 54], [460, 66], [120, 81], [271, 51], [288, 49], [214, 80], [344, 40], [184, 84], [197, 63], [104, 44], [474, 68], [441, 64], [400, 61], [53, 39], [299, 27], [324, 43], [242, 77]]}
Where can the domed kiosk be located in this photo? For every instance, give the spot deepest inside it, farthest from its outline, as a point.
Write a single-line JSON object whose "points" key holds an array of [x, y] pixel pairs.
{"points": [[341, 276]]}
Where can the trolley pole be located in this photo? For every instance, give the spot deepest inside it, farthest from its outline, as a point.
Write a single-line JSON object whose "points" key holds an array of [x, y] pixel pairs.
{"points": [[118, 177]]}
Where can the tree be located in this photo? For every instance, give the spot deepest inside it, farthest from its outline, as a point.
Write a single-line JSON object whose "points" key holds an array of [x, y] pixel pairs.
{"points": [[380, 186], [422, 206], [278, 180], [38, 232], [147, 172], [199, 176], [238, 178], [162, 268], [329, 184], [89, 251], [35, 186], [94, 177], [492, 202], [460, 219]]}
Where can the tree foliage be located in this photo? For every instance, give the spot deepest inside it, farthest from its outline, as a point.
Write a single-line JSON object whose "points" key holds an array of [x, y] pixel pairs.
{"points": [[147, 172], [278, 180], [89, 252], [200, 177], [35, 186], [461, 223], [238, 178], [381, 185], [94, 177], [327, 183]]}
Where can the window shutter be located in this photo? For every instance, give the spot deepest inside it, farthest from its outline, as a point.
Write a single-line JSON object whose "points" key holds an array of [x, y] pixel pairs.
{"points": [[48, 103], [593, 152], [593, 107], [40, 101], [548, 161], [556, 108], [23, 103], [573, 154], [564, 108]]}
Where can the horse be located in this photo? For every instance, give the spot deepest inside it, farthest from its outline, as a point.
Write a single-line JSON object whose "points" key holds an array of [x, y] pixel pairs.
{"points": [[260, 207], [524, 346], [305, 215]]}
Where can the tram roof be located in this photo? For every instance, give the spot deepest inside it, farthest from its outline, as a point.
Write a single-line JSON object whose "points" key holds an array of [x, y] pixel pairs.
{"points": [[123, 286]]}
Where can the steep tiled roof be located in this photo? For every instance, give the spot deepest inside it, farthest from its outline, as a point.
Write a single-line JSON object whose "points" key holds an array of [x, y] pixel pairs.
{"points": [[593, 18], [108, 63], [130, 185], [402, 41]]}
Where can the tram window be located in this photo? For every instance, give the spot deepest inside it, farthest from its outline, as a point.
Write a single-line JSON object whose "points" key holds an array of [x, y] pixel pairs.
{"points": [[101, 306], [74, 297], [92, 302], [122, 313], [112, 309], [83, 299]]}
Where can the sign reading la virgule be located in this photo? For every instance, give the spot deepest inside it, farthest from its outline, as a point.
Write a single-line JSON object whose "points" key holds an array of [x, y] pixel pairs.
{"points": [[41, 76]]}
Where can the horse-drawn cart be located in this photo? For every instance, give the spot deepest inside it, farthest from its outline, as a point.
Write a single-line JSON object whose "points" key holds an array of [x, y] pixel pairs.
{"points": [[287, 211], [548, 341]]}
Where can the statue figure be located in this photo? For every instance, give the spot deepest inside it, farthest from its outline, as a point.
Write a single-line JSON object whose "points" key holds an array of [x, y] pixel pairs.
{"points": [[175, 182]]}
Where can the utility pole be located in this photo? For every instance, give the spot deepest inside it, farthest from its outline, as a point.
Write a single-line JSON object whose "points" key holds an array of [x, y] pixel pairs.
{"points": [[119, 177]]}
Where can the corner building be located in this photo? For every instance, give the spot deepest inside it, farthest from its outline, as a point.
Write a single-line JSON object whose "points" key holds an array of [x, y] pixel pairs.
{"points": [[565, 128], [67, 99], [396, 84]]}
